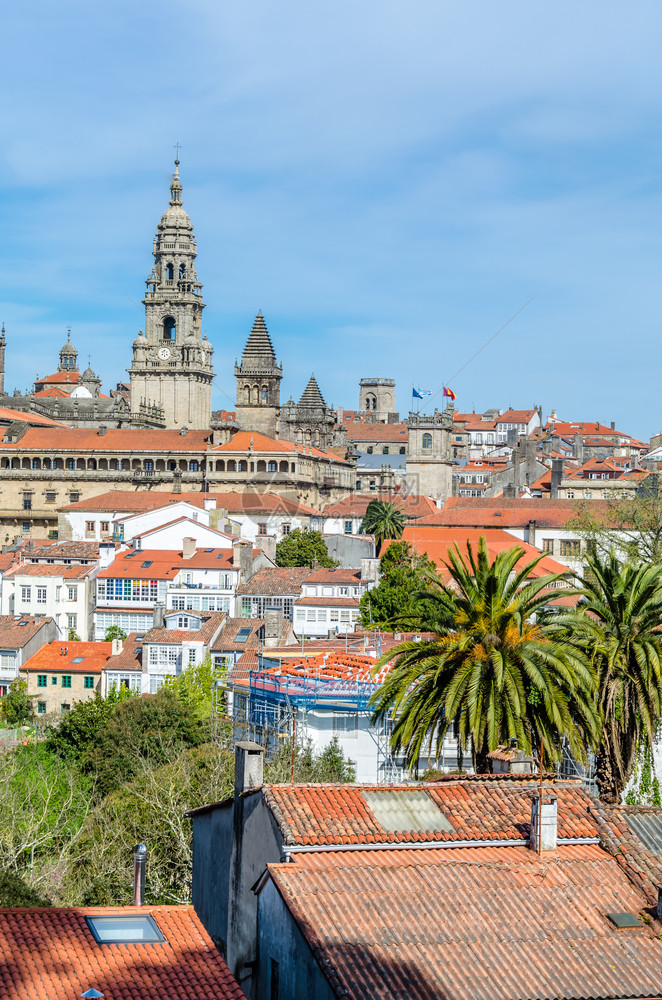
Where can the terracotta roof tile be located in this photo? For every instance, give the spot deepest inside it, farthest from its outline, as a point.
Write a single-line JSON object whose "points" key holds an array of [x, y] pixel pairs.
{"points": [[35, 419], [211, 622], [474, 922], [225, 640], [395, 433], [52, 954], [66, 439], [327, 602], [476, 512], [130, 657], [51, 657], [276, 580], [129, 565], [73, 572], [64, 550], [126, 502], [356, 505], [14, 635], [498, 809]]}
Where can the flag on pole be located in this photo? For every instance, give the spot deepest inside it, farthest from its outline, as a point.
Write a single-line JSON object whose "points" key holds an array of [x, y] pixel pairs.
{"points": [[449, 392], [420, 393]]}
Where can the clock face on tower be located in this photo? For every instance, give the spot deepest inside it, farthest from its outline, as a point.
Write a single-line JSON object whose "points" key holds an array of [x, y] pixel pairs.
{"points": [[164, 353]]}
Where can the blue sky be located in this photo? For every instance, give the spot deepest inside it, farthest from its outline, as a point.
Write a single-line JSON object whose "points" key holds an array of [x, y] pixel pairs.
{"points": [[387, 182]]}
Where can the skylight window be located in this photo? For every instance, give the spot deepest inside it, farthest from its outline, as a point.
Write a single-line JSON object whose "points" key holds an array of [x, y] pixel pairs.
{"points": [[147, 563], [243, 634], [78, 659], [125, 929], [209, 550], [407, 810]]}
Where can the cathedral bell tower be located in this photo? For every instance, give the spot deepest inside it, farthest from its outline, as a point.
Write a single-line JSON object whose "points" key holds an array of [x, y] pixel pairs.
{"points": [[172, 362]]}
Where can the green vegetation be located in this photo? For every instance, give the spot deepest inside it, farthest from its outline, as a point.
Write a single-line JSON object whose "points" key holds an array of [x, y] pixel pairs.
{"points": [[630, 526], [490, 672], [16, 705], [404, 590], [384, 520], [114, 772], [114, 632], [303, 548]]}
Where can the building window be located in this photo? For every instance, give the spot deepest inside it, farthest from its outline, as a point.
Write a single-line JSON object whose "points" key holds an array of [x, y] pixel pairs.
{"points": [[72, 621], [51, 497], [570, 496], [272, 467], [71, 463], [369, 449], [169, 325], [358, 484], [191, 657], [72, 593], [149, 465], [41, 595], [66, 680], [345, 723], [348, 527], [42, 680], [53, 681], [89, 525], [41, 707], [27, 501], [570, 547], [105, 525], [385, 450], [287, 528], [262, 528], [26, 594], [65, 707], [427, 441], [74, 497], [26, 526], [88, 683], [548, 544]]}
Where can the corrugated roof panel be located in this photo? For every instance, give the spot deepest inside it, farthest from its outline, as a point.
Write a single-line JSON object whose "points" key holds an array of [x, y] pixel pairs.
{"points": [[648, 827], [407, 810]]}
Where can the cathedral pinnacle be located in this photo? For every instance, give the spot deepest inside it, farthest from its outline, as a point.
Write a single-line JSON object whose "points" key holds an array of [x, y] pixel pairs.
{"points": [[176, 187]]}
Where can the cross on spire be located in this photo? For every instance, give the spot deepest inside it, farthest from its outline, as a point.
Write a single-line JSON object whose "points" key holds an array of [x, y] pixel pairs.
{"points": [[177, 147]]}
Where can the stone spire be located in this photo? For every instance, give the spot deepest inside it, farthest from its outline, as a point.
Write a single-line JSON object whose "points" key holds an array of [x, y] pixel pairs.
{"points": [[3, 344], [259, 351], [258, 382], [311, 395]]}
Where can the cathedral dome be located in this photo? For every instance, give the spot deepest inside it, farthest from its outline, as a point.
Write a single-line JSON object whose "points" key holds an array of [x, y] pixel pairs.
{"points": [[175, 215], [88, 375], [68, 348]]}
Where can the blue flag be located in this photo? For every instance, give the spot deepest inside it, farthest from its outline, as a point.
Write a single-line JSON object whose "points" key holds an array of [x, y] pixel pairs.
{"points": [[420, 393]]}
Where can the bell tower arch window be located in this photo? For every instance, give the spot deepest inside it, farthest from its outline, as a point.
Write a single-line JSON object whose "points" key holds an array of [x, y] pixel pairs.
{"points": [[169, 272], [169, 328], [182, 271]]}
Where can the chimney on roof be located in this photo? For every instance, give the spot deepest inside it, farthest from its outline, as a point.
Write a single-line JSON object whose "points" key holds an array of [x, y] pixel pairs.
{"points": [[543, 823], [159, 615], [248, 766], [242, 559], [188, 548], [273, 627], [118, 645], [557, 476], [183, 432], [106, 554], [139, 860], [532, 533], [613, 425], [209, 503]]}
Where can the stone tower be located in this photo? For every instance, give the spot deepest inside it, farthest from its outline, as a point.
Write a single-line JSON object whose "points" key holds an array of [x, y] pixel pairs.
{"points": [[429, 454], [311, 421], [377, 397], [68, 356], [3, 344], [172, 361], [258, 382]]}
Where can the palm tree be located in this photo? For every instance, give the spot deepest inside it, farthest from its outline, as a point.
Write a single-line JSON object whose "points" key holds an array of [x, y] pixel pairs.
{"points": [[383, 520], [618, 627], [490, 672]]}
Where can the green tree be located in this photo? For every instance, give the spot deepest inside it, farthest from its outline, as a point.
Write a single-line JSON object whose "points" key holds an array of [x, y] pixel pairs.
{"points": [[303, 548], [15, 891], [16, 705], [629, 527], [383, 520], [329, 764], [490, 672], [114, 632], [617, 627], [403, 591], [193, 689], [77, 733]]}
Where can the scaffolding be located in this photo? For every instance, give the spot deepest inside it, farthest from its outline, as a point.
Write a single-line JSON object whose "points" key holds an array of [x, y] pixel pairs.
{"points": [[272, 708]]}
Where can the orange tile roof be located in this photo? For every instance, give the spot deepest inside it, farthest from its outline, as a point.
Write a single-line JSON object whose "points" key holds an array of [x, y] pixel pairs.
{"points": [[50, 657], [438, 541], [210, 624], [356, 504], [163, 565], [73, 572], [139, 501], [477, 810], [474, 922], [509, 513], [276, 580], [57, 378], [327, 602], [339, 575], [225, 640], [52, 393], [245, 441], [26, 417], [395, 433], [14, 635], [50, 954], [65, 439], [515, 417], [130, 656]]}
